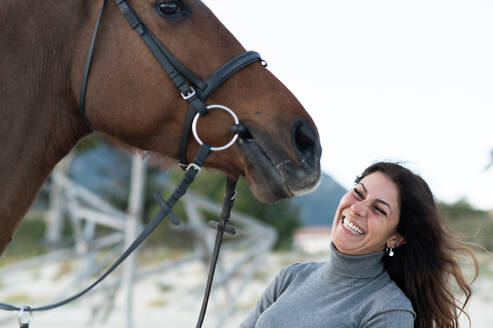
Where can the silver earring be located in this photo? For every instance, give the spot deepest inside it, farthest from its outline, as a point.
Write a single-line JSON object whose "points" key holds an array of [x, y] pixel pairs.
{"points": [[391, 252]]}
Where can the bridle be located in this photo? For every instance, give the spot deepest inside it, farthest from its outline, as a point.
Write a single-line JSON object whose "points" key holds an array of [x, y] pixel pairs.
{"points": [[192, 88], [195, 91]]}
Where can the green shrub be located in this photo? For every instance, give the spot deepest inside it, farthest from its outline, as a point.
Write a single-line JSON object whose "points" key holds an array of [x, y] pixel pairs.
{"points": [[27, 241], [474, 224], [283, 215]]}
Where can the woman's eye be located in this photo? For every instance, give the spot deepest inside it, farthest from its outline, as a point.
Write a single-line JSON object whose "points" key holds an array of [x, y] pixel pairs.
{"points": [[381, 211], [358, 193], [171, 8]]}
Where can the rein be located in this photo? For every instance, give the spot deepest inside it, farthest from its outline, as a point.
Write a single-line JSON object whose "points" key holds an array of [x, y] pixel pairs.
{"points": [[165, 211], [195, 91]]}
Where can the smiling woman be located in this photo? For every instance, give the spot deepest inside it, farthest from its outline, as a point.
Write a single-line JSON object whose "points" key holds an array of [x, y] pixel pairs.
{"points": [[392, 263], [367, 217]]}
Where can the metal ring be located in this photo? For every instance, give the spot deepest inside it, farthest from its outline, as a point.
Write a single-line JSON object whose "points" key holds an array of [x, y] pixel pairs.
{"points": [[21, 313], [196, 135]]}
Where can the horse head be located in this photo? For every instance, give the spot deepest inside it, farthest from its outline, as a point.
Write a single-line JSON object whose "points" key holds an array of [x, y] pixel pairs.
{"points": [[131, 98]]}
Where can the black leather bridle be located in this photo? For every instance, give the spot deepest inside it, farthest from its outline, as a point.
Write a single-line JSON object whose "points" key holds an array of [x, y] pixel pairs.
{"points": [[192, 88], [195, 91]]}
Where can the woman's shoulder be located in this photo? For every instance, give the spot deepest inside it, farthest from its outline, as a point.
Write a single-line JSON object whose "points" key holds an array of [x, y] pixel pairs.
{"points": [[389, 297], [386, 305], [301, 268], [298, 272]]}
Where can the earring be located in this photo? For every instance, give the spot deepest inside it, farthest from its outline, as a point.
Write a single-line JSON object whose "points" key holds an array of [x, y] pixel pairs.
{"points": [[390, 251]]}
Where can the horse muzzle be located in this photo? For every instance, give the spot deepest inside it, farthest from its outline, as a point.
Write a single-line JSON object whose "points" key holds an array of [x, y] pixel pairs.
{"points": [[279, 167]]}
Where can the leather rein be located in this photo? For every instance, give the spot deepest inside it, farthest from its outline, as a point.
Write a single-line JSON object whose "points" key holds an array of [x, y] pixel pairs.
{"points": [[195, 91]]}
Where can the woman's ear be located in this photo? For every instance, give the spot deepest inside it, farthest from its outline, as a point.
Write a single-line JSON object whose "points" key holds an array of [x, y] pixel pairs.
{"points": [[396, 240]]}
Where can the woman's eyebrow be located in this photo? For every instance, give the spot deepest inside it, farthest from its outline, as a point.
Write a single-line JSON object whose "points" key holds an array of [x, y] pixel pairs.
{"points": [[378, 200]]}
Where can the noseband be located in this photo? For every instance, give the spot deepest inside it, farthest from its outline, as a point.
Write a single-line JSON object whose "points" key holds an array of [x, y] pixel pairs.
{"points": [[196, 92]]}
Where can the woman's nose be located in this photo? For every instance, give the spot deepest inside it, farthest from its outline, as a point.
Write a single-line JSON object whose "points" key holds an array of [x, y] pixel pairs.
{"points": [[358, 209]]}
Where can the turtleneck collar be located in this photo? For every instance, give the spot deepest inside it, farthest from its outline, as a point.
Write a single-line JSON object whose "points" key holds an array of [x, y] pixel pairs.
{"points": [[355, 266]]}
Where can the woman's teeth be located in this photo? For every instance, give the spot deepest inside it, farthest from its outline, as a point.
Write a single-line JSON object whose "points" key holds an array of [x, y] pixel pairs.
{"points": [[351, 227]]}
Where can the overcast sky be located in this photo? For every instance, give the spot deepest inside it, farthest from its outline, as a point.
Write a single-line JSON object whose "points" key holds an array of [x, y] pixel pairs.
{"points": [[385, 80]]}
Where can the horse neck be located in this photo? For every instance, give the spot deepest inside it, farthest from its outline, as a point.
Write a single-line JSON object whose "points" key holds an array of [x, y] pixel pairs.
{"points": [[39, 120]]}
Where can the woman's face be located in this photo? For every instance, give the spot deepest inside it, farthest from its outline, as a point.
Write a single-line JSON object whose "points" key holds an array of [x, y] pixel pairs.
{"points": [[367, 217]]}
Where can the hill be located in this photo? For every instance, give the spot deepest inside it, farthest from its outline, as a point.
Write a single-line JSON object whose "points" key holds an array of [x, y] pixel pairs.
{"points": [[319, 206]]}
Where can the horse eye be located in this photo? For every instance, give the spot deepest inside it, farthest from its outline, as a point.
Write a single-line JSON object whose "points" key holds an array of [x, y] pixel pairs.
{"points": [[170, 8]]}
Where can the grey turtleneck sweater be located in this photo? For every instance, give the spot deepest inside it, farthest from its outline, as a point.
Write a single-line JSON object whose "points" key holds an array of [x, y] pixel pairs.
{"points": [[347, 291]]}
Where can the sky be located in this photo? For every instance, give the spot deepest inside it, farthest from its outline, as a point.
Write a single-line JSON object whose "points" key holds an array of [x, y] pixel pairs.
{"points": [[407, 81]]}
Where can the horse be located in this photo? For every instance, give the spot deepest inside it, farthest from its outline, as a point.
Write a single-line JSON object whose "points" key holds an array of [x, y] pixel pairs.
{"points": [[43, 51]]}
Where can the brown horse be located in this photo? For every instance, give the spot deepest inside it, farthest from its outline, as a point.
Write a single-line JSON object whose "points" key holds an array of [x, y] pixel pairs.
{"points": [[43, 48]]}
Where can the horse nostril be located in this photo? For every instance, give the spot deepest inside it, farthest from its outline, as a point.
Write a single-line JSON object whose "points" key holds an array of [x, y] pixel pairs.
{"points": [[305, 142]]}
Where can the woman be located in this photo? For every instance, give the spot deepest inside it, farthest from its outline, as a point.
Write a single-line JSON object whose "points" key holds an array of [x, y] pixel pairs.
{"points": [[391, 264]]}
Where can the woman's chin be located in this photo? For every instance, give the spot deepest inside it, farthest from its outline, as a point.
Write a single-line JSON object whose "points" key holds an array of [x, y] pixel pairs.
{"points": [[346, 242]]}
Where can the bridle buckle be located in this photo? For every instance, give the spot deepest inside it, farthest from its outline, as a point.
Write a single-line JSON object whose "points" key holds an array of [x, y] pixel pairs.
{"points": [[193, 166], [25, 316], [189, 94]]}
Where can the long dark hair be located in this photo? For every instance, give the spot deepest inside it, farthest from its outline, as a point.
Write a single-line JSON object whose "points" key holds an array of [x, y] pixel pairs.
{"points": [[426, 264]]}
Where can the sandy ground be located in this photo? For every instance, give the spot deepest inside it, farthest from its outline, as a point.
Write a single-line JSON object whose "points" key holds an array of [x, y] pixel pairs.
{"points": [[172, 298]]}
